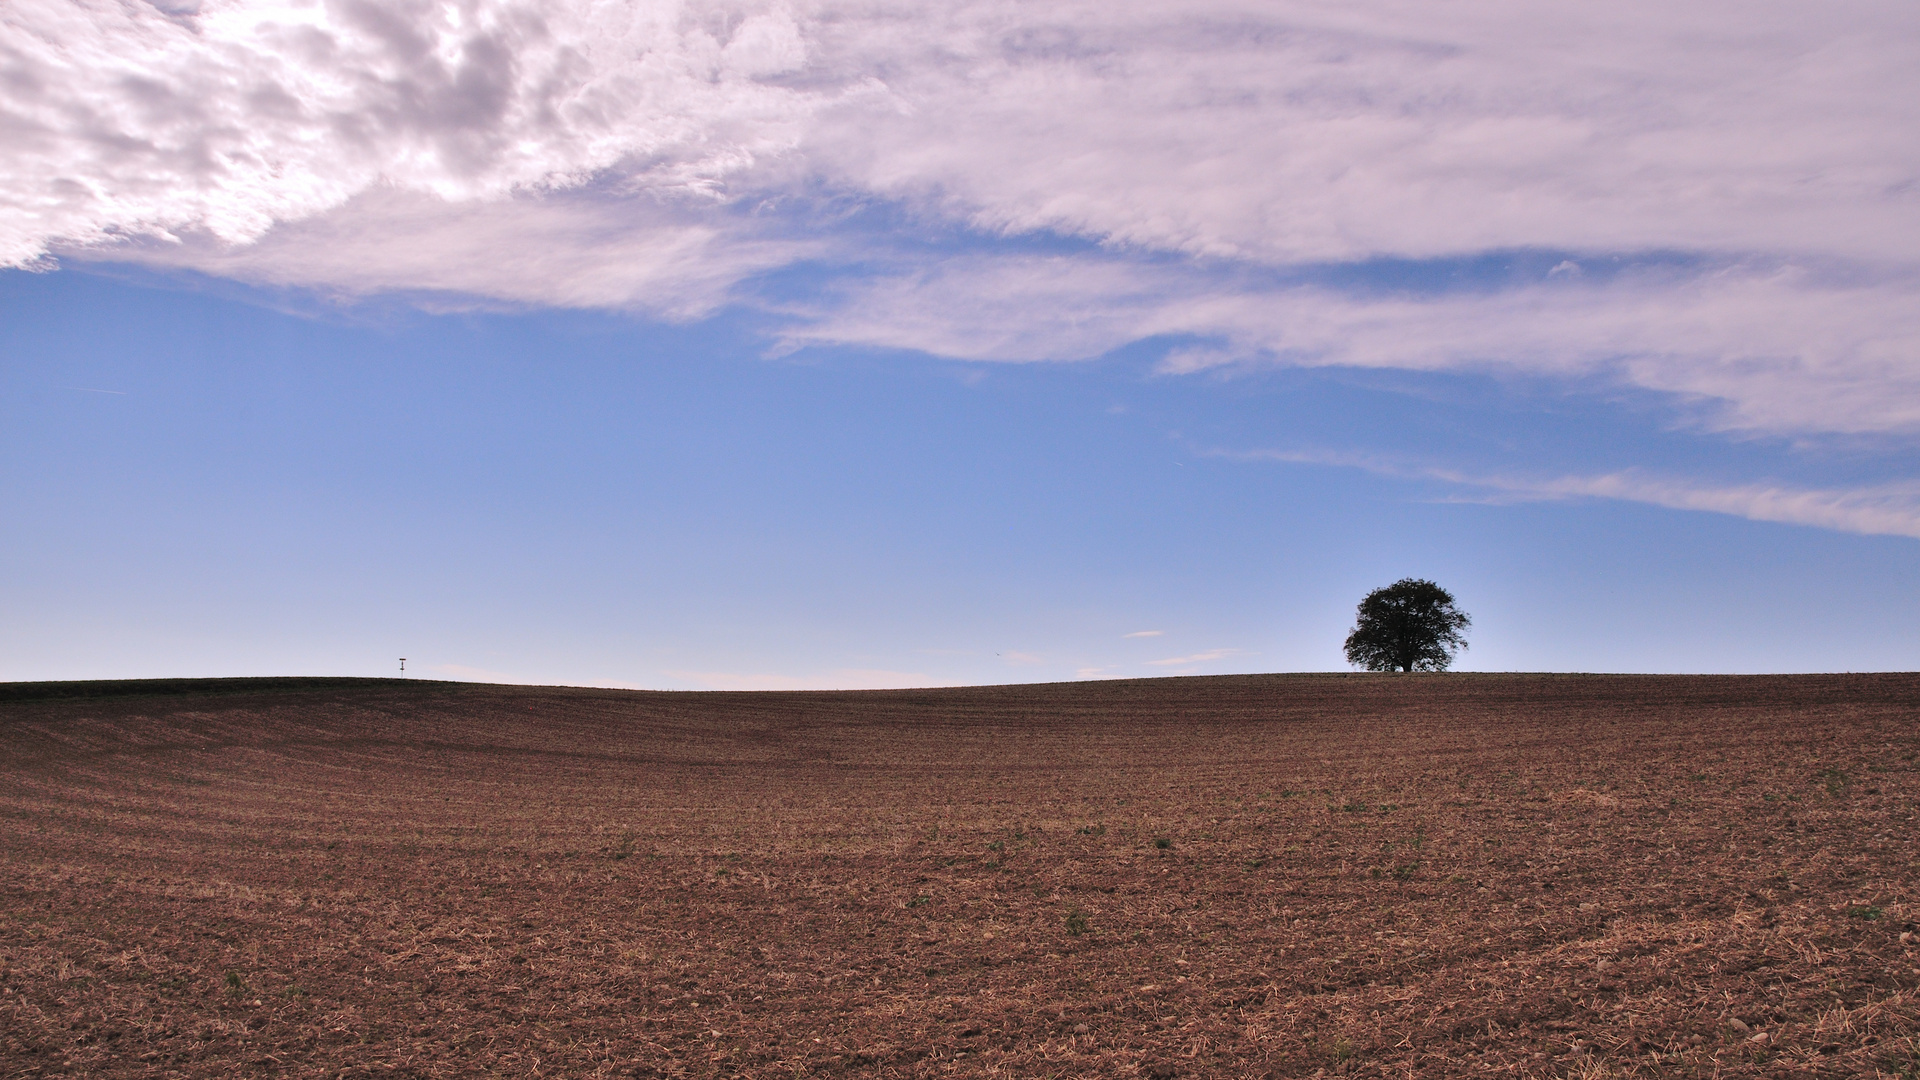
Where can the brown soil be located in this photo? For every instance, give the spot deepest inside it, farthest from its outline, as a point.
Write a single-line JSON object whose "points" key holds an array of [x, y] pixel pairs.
{"points": [[1242, 876]]}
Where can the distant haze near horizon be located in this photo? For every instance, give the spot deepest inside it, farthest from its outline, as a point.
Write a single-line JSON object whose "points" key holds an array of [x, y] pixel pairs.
{"points": [[795, 345]]}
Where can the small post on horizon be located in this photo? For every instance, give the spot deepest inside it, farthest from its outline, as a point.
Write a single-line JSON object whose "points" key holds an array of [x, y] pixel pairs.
{"points": [[403, 663]]}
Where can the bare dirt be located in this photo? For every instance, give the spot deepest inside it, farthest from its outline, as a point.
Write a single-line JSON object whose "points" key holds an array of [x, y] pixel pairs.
{"points": [[1428, 876]]}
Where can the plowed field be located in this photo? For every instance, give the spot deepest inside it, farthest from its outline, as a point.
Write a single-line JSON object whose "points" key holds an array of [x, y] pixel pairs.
{"points": [[1428, 876]]}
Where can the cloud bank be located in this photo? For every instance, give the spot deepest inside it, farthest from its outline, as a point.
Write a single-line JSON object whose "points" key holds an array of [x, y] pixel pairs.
{"points": [[127, 120], [1730, 192]]}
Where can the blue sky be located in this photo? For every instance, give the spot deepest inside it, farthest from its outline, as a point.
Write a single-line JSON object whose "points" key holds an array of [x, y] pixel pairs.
{"points": [[764, 345]]}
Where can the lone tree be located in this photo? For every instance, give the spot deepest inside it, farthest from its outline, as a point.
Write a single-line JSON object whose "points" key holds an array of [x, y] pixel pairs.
{"points": [[1411, 625]]}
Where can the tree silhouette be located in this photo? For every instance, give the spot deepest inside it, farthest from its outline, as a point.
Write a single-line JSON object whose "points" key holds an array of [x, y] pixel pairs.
{"points": [[1411, 625]]}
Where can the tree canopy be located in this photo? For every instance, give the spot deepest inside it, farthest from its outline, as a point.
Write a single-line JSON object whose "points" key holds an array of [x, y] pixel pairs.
{"points": [[1410, 625]]}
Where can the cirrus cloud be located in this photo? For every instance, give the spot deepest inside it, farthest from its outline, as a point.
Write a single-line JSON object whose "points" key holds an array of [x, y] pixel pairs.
{"points": [[1885, 509], [1769, 347]]}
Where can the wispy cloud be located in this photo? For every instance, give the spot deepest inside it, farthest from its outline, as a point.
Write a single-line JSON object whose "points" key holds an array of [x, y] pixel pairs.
{"points": [[1199, 658], [1891, 510], [570, 249], [1144, 634], [1878, 509], [837, 679], [1770, 347]]}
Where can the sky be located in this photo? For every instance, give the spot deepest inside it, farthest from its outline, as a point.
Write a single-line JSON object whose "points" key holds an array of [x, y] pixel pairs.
{"points": [[880, 344]]}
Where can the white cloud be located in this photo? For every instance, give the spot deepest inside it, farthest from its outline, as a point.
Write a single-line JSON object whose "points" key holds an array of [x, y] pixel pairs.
{"points": [[1270, 132], [1144, 634], [653, 156], [1311, 131], [1779, 348], [122, 120], [566, 250]]}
